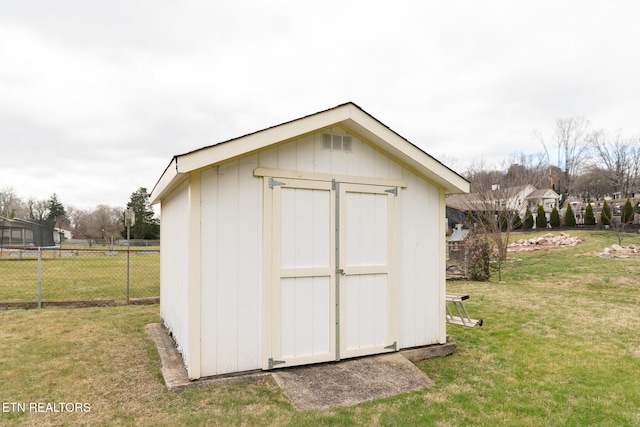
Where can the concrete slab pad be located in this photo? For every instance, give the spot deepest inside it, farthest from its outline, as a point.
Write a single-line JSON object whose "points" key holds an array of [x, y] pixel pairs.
{"points": [[349, 382]]}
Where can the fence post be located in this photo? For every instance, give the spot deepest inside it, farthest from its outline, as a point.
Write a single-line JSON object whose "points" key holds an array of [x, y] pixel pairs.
{"points": [[129, 219], [39, 277], [128, 259]]}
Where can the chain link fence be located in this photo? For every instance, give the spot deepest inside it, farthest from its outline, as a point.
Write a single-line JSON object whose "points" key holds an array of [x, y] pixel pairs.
{"points": [[35, 277]]}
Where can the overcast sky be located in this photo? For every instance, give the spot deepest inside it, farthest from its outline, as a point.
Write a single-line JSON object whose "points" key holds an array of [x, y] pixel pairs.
{"points": [[97, 96]]}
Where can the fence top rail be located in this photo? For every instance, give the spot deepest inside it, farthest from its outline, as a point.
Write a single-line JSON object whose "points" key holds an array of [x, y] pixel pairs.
{"points": [[58, 248]]}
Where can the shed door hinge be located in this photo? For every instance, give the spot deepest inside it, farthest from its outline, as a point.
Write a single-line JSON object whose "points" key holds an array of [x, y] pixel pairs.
{"points": [[393, 191], [273, 363], [393, 346], [274, 183]]}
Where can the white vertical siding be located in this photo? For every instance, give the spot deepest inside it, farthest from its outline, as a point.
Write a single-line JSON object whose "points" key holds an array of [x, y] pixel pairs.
{"points": [[231, 268], [174, 270], [420, 274]]}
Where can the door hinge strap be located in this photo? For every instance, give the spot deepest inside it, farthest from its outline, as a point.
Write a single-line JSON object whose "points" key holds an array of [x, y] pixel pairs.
{"points": [[273, 363], [393, 191], [274, 183], [393, 346]]}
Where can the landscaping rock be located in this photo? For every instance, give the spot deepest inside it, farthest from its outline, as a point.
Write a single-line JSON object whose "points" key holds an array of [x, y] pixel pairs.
{"points": [[617, 251], [543, 242]]}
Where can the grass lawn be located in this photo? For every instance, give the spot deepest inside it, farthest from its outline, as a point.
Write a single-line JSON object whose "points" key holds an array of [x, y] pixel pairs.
{"points": [[560, 346], [87, 275]]}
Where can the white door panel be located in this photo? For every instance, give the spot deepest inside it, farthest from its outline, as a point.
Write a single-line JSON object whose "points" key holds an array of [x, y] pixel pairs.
{"points": [[305, 321], [367, 309], [365, 228], [303, 280]]}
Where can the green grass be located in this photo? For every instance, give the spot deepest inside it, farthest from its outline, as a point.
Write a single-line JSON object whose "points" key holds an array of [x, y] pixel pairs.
{"points": [[560, 346], [91, 275]]}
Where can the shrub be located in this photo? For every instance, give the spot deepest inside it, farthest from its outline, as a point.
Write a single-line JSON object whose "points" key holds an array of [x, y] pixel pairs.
{"points": [[517, 222], [626, 216], [528, 220], [569, 217], [554, 219], [478, 260], [589, 217], [605, 215], [541, 218], [503, 220]]}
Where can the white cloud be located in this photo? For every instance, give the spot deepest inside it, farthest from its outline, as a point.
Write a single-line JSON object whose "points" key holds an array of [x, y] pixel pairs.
{"points": [[95, 98]]}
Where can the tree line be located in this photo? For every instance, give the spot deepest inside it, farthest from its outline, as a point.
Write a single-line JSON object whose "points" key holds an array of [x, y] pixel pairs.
{"points": [[103, 222], [575, 161]]}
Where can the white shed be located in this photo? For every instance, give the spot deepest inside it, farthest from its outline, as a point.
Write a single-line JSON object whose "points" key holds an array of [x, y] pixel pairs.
{"points": [[316, 240]]}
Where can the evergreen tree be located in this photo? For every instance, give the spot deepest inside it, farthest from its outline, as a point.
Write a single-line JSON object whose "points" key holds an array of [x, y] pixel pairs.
{"points": [[528, 219], [541, 218], [626, 216], [569, 217], [146, 226], [554, 219], [605, 215], [503, 220], [56, 211], [589, 217], [517, 222]]}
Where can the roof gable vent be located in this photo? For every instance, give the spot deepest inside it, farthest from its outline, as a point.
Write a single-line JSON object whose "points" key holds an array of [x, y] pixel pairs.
{"points": [[332, 142]]}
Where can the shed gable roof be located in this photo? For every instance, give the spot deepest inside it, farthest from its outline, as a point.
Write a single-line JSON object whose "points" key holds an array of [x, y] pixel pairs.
{"points": [[349, 116]]}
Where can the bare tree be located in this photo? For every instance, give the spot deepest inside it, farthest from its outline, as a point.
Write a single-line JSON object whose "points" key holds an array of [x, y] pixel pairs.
{"points": [[79, 222], [498, 200], [105, 222], [37, 209], [620, 159], [528, 169], [570, 137], [11, 205], [593, 184]]}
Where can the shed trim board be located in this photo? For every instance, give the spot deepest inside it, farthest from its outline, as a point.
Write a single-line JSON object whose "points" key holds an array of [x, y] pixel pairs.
{"points": [[318, 176], [194, 274], [442, 280]]}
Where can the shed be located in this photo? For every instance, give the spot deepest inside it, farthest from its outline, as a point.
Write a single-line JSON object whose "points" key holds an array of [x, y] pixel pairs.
{"points": [[316, 240]]}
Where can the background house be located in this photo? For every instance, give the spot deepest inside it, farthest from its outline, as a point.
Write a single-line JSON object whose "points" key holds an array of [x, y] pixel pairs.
{"points": [[547, 198], [315, 240], [510, 198]]}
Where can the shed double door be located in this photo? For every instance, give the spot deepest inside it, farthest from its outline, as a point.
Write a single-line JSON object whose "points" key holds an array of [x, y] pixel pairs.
{"points": [[332, 293]]}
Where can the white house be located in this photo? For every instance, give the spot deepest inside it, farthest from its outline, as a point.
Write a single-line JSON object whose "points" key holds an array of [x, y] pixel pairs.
{"points": [[547, 198], [316, 240]]}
